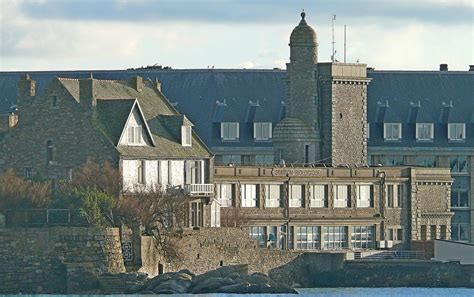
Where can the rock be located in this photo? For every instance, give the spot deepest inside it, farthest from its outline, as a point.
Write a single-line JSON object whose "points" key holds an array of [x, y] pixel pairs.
{"points": [[210, 285], [135, 288], [174, 286], [234, 275], [186, 271], [234, 289], [258, 278], [242, 269], [156, 281]]}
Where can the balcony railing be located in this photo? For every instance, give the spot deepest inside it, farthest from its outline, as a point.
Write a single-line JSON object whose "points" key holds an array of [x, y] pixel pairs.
{"points": [[199, 189]]}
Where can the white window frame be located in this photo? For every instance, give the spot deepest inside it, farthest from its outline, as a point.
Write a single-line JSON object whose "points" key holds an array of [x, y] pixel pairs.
{"points": [[296, 196], [342, 202], [224, 194], [362, 191], [424, 131], [135, 135], [459, 127], [398, 195], [259, 129], [141, 178], [248, 195], [272, 195], [226, 128], [388, 131], [319, 196], [186, 136]]}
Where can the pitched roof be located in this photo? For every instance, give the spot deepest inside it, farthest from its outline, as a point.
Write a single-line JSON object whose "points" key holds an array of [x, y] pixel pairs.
{"points": [[113, 115]]}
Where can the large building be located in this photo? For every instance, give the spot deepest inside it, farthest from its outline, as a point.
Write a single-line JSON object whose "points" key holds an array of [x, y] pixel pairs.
{"points": [[409, 114]]}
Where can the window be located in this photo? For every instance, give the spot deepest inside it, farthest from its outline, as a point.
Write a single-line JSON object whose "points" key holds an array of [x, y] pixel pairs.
{"points": [[423, 232], [249, 195], [424, 131], [460, 192], [273, 195], [264, 159], [368, 131], [319, 196], [55, 101], [49, 151], [258, 233], [141, 172], [458, 164], [392, 131], [296, 195], [306, 153], [392, 160], [395, 234], [230, 131], [135, 134], [456, 131], [460, 231], [362, 237], [262, 131], [68, 173], [342, 196], [231, 159], [426, 161], [308, 237], [395, 195], [365, 196], [28, 172], [186, 135], [433, 232], [225, 194], [335, 237]]}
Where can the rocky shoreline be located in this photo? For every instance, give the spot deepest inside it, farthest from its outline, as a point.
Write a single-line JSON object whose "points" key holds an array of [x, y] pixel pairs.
{"points": [[227, 279]]}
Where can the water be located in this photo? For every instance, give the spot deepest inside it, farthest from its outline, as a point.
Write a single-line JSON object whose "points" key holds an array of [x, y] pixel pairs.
{"points": [[385, 292]]}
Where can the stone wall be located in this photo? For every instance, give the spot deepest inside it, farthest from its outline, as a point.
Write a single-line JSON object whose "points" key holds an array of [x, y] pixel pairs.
{"points": [[57, 259]]}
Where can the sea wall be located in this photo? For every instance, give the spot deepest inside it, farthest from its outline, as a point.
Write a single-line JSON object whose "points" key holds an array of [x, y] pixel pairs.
{"points": [[57, 259]]}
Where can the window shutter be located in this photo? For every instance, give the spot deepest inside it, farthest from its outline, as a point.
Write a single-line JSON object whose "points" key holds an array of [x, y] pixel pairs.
{"points": [[449, 131], [255, 130], [385, 127], [237, 130], [417, 133], [222, 130], [431, 131], [463, 131], [270, 130]]}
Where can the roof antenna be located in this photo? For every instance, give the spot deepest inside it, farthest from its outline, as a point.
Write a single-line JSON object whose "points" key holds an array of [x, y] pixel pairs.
{"points": [[333, 57]]}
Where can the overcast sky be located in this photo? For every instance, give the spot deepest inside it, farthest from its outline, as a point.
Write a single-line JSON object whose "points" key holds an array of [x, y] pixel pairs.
{"points": [[119, 34]]}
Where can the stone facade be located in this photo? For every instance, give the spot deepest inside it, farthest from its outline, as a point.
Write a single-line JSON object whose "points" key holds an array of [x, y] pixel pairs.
{"points": [[57, 259], [400, 204]]}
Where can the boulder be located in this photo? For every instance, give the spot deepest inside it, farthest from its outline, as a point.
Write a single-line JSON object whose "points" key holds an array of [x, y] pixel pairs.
{"points": [[186, 271], [238, 288], [157, 280], [242, 269], [210, 285], [172, 286]]}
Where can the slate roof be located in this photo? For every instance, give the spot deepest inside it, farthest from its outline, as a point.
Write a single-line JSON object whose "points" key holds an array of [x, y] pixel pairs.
{"points": [[211, 96], [115, 100]]}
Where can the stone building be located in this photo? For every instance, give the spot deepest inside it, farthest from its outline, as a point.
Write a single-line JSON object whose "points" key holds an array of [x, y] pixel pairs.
{"points": [[127, 123], [323, 208], [239, 110]]}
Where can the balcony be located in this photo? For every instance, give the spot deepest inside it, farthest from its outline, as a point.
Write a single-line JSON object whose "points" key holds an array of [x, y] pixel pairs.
{"points": [[199, 190]]}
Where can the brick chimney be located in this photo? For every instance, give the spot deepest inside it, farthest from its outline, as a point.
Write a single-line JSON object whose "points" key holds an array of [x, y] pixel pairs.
{"points": [[25, 91], [137, 83], [87, 96], [471, 67], [443, 67], [8, 121]]}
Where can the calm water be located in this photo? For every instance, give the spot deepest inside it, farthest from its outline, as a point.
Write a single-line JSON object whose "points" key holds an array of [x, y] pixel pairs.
{"points": [[386, 292]]}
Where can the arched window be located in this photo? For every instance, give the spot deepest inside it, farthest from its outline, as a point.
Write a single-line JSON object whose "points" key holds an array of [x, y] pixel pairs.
{"points": [[49, 151]]}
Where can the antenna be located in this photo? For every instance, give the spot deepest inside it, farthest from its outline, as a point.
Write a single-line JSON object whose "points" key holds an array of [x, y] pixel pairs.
{"points": [[345, 43], [333, 57]]}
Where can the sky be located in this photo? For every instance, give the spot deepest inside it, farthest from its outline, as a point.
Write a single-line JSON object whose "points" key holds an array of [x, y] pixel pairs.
{"points": [[183, 34]]}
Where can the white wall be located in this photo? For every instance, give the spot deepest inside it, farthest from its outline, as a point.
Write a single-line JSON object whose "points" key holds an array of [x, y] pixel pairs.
{"points": [[157, 172], [446, 251]]}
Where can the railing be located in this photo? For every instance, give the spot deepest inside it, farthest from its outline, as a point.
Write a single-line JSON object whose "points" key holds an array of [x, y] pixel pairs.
{"points": [[44, 217], [199, 189], [392, 255]]}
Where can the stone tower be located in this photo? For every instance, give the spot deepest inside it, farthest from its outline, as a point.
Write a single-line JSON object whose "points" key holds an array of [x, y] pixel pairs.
{"points": [[326, 119], [296, 137]]}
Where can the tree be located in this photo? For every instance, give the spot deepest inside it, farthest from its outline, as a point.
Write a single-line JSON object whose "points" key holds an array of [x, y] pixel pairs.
{"points": [[18, 193]]}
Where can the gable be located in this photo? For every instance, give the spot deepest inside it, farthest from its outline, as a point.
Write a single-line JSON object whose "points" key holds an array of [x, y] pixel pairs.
{"points": [[135, 132]]}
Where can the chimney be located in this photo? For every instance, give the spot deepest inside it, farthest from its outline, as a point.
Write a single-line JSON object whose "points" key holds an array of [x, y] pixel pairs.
{"points": [[443, 67], [137, 83], [87, 96], [25, 90], [471, 67]]}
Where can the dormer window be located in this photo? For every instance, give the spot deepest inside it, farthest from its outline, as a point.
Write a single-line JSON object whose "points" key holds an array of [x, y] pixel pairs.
{"points": [[135, 136], [392, 131], [456, 131], [186, 133], [262, 131], [424, 131], [230, 131]]}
